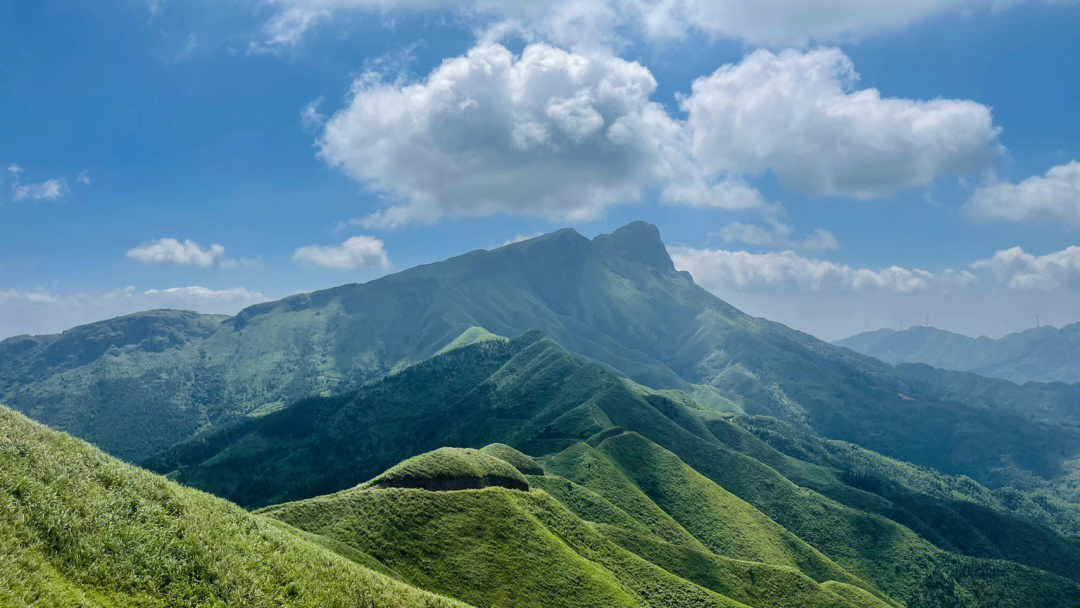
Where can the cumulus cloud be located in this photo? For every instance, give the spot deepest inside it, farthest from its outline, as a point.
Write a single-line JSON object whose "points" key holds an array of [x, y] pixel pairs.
{"points": [[41, 311], [548, 133], [357, 252], [169, 251], [1021, 270], [777, 236], [592, 22], [565, 135], [720, 270], [1054, 196], [799, 115]]}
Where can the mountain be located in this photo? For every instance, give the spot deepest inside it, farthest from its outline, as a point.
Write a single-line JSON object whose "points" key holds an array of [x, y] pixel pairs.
{"points": [[680, 485], [1042, 354], [137, 385], [80, 528]]}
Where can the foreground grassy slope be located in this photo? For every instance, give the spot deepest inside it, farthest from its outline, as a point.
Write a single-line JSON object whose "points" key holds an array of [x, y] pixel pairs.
{"points": [[79, 528], [518, 548]]}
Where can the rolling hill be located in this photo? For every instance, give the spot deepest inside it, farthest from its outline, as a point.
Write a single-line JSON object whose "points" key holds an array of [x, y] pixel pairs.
{"points": [[1041, 354], [673, 479]]}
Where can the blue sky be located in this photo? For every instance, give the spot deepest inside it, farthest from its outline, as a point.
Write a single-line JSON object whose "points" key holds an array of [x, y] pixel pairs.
{"points": [[835, 170]]}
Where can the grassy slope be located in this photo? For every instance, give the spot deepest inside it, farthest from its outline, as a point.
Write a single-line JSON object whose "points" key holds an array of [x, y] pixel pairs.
{"points": [[80, 528], [515, 548], [486, 546], [444, 467]]}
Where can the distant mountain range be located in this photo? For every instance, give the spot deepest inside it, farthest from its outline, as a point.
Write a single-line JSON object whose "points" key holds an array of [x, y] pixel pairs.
{"points": [[1042, 354]]}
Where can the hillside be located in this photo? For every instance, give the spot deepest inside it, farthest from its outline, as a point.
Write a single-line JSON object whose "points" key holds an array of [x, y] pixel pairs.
{"points": [[523, 548], [615, 299], [1041, 354], [79, 528], [658, 466]]}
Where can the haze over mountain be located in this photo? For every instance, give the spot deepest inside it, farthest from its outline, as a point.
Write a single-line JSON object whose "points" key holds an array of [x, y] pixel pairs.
{"points": [[1042, 354]]}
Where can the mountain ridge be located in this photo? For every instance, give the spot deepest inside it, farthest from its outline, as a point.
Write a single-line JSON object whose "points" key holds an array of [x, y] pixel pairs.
{"points": [[1042, 354]]}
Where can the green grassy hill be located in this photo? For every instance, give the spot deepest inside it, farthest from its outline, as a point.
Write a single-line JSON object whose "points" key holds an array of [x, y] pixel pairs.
{"points": [[81, 529], [525, 548], [655, 465]]}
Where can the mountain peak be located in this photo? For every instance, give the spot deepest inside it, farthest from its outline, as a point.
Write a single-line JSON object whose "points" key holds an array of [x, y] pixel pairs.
{"points": [[637, 241]]}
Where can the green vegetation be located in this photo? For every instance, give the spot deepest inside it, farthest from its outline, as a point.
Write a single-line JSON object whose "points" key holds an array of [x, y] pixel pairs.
{"points": [[452, 469], [502, 547], [651, 463], [521, 462], [79, 528]]}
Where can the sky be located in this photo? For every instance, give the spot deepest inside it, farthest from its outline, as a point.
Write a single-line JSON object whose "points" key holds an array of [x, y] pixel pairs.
{"points": [[835, 165]]}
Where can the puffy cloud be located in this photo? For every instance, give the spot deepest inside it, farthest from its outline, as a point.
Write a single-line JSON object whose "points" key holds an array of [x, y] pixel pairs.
{"points": [[40, 311], [1021, 270], [720, 270], [357, 252], [591, 22], [564, 135], [174, 252], [548, 133], [1053, 197], [777, 236], [798, 115]]}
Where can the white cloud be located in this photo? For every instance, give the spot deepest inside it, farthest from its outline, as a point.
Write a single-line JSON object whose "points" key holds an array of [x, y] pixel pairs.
{"points": [[548, 133], [517, 238], [798, 115], [34, 297], [777, 236], [310, 117], [174, 252], [602, 22], [198, 297], [83, 177], [1020, 270], [1052, 197], [357, 252], [695, 190], [719, 270], [47, 190], [41, 311], [565, 135]]}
